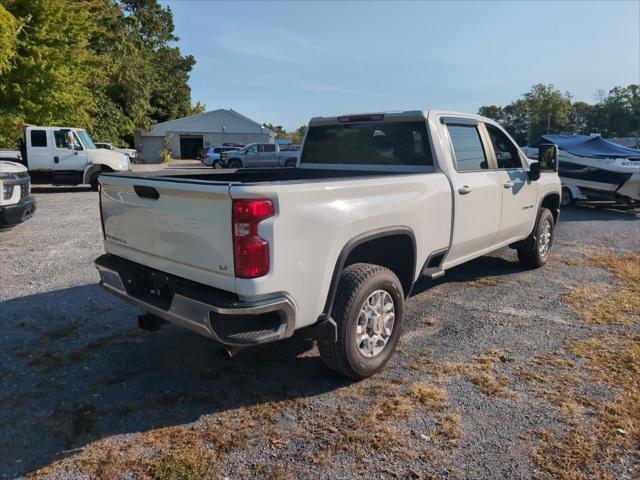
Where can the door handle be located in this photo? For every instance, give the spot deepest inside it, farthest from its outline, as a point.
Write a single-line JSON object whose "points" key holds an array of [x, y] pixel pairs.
{"points": [[463, 190], [56, 159], [508, 184]]}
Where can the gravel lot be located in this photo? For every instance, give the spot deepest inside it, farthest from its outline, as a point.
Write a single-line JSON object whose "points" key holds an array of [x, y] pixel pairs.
{"points": [[76, 370]]}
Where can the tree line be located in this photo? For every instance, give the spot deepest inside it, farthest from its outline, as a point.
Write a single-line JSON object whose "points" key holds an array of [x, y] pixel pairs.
{"points": [[545, 109], [110, 66]]}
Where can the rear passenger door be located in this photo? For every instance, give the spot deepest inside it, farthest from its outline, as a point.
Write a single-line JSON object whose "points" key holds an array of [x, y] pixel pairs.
{"points": [[39, 154], [477, 191], [519, 194], [268, 155]]}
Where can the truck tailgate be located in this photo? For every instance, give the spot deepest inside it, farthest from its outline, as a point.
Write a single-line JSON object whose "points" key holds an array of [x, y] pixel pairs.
{"points": [[177, 227]]}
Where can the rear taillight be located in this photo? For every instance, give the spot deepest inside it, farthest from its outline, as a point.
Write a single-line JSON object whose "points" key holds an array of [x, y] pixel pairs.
{"points": [[250, 251]]}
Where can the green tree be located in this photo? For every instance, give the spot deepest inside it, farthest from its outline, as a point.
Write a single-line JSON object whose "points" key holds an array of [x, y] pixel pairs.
{"points": [[279, 131], [298, 136], [8, 38], [108, 65], [47, 81]]}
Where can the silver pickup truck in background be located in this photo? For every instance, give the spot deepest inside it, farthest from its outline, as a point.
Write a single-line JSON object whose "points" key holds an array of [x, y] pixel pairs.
{"points": [[256, 155], [334, 246]]}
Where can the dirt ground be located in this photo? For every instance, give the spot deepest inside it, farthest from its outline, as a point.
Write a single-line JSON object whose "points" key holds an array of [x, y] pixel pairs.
{"points": [[500, 373]]}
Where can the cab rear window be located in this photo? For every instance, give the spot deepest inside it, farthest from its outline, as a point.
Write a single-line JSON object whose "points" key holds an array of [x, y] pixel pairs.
{"points": [[368, 143]]}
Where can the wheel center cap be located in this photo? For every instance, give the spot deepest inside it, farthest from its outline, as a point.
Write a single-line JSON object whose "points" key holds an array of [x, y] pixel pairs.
{"points": [[378, 324]]}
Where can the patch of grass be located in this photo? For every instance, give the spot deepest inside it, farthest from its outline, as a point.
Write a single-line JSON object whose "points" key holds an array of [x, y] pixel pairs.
{"points": [[485, 282], [602, 305], [183, 466], [449, 430], [47, 361], [431, 396], [591, 442], [61, 332], [430, 321], [481, 373]]}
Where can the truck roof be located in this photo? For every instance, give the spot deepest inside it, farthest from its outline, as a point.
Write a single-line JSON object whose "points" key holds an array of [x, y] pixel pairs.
{"points": [[392, 115]]}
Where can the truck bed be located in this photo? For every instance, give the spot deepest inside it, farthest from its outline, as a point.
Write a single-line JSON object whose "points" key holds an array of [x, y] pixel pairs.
{"points": [[248, 176]]}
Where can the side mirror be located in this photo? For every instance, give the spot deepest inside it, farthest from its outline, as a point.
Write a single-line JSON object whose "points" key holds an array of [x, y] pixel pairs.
{"points": [[534, 171], [548, 156]]}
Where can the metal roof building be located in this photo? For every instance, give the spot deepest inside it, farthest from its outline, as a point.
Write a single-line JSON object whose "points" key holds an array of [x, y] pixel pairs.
{"points": [[186, 136]]}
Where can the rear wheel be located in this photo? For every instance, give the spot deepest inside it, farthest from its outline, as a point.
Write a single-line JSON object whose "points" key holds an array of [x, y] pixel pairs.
{"points": [[567, 197], [235, 163], [217, 164], [536, 249], [290, 163], [368, 312]]}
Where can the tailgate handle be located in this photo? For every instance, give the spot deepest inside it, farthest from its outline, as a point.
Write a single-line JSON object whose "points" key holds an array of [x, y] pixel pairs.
{"points": [[146, 192]]}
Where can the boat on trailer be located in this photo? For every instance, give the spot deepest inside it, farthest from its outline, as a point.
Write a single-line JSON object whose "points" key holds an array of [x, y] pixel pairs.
{"points": [[593, 168]]}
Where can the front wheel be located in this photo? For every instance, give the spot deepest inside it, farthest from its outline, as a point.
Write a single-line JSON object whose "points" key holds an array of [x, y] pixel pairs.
{"points": [[235, 163], [536, 249], [368, 312]]}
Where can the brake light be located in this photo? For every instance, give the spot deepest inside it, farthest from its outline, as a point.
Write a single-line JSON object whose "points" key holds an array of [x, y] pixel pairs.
{"points": [[374, 117], [250, 251]]}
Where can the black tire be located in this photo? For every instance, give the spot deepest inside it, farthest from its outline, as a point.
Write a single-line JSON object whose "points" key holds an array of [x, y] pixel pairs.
{"points": [[357, 283], [218, 164], [567, 197], [93, 181], [531, 253], [290, 163], [234, 163]]}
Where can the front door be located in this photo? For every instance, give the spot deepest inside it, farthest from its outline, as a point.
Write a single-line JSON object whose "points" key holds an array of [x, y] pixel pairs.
{"points": [[519, 194], [477, 193], [251, 158], [68, 156]]}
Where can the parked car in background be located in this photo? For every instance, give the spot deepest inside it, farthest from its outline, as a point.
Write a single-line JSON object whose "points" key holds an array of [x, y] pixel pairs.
{"points": [[212, 155], [377, 202], [17, 204], [257, 155], [67, 156], [127, 151]]}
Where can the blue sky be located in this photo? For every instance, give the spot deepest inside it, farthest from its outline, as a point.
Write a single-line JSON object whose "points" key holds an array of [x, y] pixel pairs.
{"points": [[285, 62]]}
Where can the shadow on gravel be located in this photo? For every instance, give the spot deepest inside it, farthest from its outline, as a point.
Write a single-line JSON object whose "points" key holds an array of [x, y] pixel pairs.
{"points": [[75, 368], [479, 268], [54, 189], [588, 213]]}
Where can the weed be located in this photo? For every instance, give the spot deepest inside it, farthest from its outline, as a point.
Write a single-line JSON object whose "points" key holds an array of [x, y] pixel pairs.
{"points": [[431, 396]]}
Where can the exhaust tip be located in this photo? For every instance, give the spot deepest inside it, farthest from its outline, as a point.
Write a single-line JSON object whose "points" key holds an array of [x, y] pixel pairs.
{"points": [[231, 351]]}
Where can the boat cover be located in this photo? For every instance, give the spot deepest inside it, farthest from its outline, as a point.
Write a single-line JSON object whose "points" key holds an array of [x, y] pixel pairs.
{"points": [[591, 146]]}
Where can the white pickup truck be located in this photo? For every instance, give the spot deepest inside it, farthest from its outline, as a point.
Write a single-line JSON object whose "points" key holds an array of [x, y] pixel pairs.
{"points": [[336, 245], [17, 204], [257, 155], [65, 156]]}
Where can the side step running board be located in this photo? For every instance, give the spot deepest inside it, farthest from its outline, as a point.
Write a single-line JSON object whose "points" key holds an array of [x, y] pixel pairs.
{"points": [[433, 273]]}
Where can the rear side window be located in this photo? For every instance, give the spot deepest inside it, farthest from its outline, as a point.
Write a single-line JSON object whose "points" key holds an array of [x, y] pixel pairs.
{"points": [[38, 138], [267, 148], [467, 148], [369, 143], [506, 152]]}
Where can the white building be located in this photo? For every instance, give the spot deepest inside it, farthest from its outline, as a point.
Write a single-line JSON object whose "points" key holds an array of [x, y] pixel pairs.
{"points": [[185, 136]]}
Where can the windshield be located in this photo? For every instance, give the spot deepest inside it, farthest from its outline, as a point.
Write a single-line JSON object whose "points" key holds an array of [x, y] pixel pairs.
{"points": [[368, 143], [86, 139]]}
